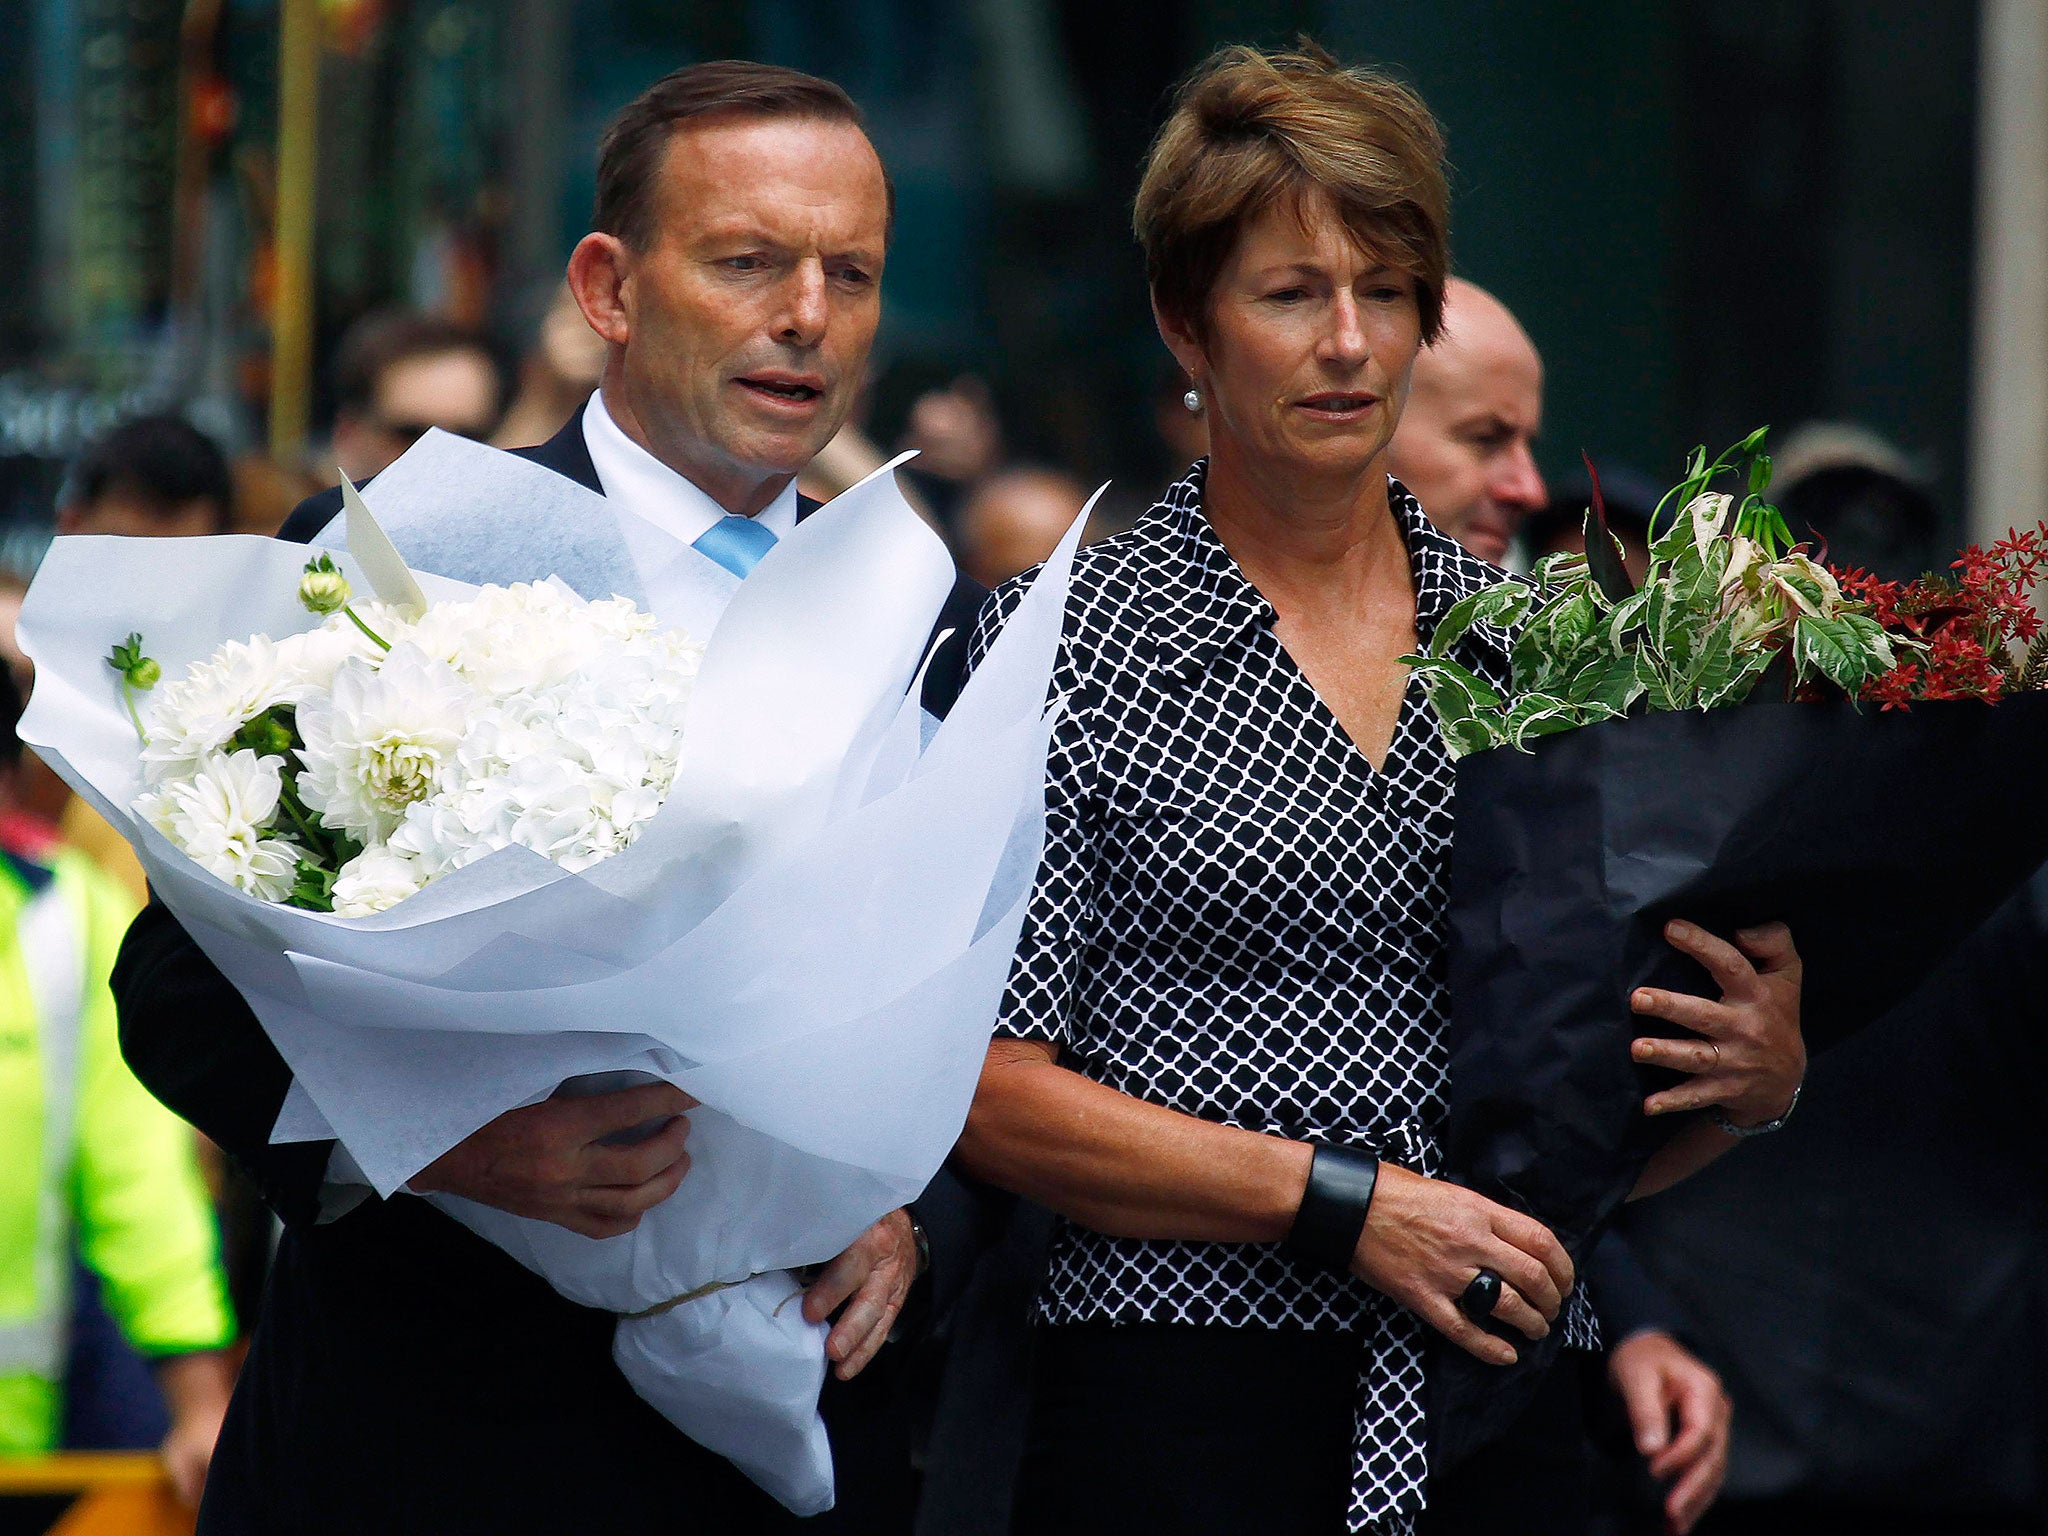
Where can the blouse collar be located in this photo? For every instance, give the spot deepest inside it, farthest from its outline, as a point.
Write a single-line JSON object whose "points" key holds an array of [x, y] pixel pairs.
{"points": [[1201, 600]]}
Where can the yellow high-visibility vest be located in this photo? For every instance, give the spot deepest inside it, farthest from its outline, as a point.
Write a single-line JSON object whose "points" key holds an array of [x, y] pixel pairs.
{"points": [[89, 1162]]}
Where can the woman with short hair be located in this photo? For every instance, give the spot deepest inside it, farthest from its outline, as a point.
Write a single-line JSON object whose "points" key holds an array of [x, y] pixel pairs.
{"points": [[1220, 1059]]}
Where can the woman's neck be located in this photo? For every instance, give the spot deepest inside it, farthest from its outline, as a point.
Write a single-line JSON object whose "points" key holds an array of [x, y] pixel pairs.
{"points": [[1307, 537]]}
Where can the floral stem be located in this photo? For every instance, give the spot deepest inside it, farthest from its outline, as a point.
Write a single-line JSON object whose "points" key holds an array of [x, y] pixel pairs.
{"points": [[375, 639], [128, 698]]}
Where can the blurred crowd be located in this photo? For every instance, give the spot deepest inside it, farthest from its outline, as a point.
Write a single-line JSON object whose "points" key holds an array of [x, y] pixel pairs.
{"points": [[1867, 1286]]}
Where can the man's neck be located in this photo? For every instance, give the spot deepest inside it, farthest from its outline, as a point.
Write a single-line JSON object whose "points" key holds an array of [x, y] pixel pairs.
{"points": [[742, 492]]}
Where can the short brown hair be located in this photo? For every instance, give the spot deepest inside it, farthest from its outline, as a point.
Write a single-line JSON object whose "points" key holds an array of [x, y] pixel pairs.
{"points": [[630, 156], [1249, 130]]}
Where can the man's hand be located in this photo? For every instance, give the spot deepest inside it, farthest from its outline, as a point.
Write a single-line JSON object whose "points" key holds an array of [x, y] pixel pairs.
{"points": [[1745, 1053], [549, 1160], [877, 1272], [196, 1389], [1679, 1414]]}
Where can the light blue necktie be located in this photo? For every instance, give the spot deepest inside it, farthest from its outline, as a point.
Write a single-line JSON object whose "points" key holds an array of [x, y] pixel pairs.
{"points": [[737, 543]]}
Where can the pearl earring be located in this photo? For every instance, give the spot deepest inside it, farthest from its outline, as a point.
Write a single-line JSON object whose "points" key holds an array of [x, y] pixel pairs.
{"points": [[1193, 401]]}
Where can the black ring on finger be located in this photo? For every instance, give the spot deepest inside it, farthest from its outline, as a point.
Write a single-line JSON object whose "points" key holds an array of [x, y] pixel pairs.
{"points": [[1481, 1296]]}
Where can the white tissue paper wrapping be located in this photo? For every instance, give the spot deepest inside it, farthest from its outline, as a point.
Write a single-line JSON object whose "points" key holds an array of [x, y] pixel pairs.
{"points": [[811, 937]]}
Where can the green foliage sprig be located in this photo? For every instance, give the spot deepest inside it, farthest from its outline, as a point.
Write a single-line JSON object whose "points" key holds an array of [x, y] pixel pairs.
{"points": [[1729, 592]]}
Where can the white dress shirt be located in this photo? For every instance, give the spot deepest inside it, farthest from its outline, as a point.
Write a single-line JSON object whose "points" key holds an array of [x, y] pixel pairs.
{"points": [[649, 489]]}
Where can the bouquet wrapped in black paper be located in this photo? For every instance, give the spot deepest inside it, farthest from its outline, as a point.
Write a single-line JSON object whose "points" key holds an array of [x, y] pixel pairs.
{"points": [[1864, 796]]}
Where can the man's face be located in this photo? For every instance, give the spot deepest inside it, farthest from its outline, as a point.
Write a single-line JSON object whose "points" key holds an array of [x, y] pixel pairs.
{"points": [[124, 509], [746, 322], [1464, 443], [456, 390]]}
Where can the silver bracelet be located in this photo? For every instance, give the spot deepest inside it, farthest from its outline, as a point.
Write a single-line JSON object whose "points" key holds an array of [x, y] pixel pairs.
{"points": [[1743, 1132]]}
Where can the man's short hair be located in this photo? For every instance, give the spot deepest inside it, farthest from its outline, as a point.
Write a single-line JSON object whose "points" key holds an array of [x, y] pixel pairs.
{"points": [[629, 159], [163, 461], [1250, 130], [383, 339]]}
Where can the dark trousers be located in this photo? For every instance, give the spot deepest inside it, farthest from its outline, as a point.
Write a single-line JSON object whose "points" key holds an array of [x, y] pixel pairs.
{"points": [[1234, 1431]]}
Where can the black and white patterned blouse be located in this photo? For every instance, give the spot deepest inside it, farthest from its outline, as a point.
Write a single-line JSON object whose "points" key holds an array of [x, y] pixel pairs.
{"points": [[1238, 918]]}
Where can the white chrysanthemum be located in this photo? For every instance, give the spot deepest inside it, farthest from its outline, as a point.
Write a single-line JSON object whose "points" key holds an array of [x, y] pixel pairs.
{"points": [[219, 814], [374, 880], [310, 660], [192, 718], [378, 741]]}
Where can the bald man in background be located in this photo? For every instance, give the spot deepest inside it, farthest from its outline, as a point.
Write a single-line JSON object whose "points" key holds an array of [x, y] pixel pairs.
{"points": [[1465, 446], [1466, 441], [1013, 519]]}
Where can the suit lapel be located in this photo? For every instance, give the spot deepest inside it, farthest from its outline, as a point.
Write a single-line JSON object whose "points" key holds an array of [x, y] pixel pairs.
{"points": [[567, 454]]}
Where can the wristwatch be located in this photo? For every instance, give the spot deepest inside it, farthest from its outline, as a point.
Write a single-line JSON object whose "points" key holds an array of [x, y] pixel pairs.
{"points": [[1743, 1132]]}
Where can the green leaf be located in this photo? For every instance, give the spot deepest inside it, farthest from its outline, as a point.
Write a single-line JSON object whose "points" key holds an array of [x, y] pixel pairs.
{"points": [[1502, 605], [1713, 664], [1848, 648], [1759, 473], [312, 887], [1561, 569], [1609, 680], [1624, 616], [1569, 623], [1749, 666], [1440, 674]]}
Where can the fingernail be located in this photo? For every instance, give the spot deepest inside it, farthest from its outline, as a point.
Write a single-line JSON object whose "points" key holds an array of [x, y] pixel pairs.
{"points": [[1641, 1001], [1679, 930], [1639, 1049]]}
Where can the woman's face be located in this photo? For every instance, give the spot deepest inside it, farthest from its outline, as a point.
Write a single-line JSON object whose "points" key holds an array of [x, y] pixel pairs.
{"points": [[1311, 341]]}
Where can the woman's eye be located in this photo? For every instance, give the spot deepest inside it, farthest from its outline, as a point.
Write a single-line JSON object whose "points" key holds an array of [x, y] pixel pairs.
{"points": [[1288, 295]]}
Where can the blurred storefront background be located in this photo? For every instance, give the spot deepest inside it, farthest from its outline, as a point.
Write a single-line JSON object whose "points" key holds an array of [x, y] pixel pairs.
{"points": [[1710, 214]]}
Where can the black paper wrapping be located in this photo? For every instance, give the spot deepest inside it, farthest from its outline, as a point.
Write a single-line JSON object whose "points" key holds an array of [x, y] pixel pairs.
{"points": [[1882, 840]]}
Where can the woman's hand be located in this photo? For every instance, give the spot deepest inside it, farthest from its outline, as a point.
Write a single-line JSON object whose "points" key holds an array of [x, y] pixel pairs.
{"points": [[1752, 1058], [1424, 1240]]}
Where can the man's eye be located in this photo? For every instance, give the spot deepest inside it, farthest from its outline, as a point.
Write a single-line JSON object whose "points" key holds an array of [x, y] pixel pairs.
{"points": [[855, 275], [745, 263]]}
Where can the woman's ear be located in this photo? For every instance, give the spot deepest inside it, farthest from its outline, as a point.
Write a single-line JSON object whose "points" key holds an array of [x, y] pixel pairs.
{"points": [[1187, 351]]}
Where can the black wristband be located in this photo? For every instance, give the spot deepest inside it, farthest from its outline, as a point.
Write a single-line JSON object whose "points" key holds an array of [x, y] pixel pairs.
{"points": [[1333, 1208]]}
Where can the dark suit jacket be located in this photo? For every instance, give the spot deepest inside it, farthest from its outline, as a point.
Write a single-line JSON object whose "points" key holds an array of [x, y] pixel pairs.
{"points": [[406, 1375]]}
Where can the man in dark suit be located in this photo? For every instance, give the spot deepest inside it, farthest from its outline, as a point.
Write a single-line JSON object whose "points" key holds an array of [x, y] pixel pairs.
{"points": [[407, 1376]]}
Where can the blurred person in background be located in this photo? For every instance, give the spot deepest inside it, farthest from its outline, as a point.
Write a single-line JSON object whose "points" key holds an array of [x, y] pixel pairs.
{"points": [[87, 1157], [266, 491], [153, 476], [1469, 431], [1859, 498], [556, 375], [1012, 519], [958, 437], [1559, 527], [1467, 457], [397, 376]]}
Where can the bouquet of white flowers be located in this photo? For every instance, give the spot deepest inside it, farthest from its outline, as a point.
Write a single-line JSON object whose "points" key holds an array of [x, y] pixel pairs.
{"points": [[344, 768], [477, 835]]}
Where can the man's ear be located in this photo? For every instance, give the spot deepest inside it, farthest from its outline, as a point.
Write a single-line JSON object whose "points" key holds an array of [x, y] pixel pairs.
{"points": [[599, 268], [1188, 352]]}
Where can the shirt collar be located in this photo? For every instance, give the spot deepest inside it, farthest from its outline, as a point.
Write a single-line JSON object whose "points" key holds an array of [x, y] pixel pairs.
{"points": [[650, 489], [1202, 600]]}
